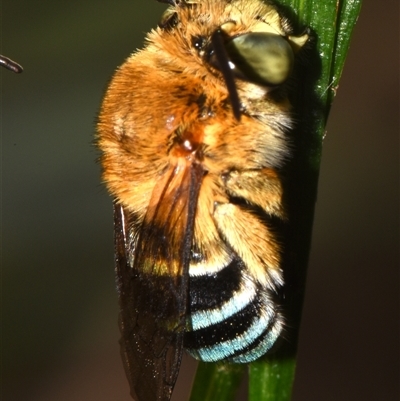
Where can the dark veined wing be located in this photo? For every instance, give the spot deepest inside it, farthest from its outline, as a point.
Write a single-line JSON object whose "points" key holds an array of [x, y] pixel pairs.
{"points": [[152, 261]]}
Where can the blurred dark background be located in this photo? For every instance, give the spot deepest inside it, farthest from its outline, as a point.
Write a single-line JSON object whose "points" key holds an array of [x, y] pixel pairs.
{"points": [[59, 326]]}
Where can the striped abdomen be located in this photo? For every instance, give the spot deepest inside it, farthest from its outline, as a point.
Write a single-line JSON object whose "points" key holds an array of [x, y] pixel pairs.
{"points": [[232, 317]]}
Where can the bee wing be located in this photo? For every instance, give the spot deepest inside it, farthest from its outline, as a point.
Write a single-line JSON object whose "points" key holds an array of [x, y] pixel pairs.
{"points": [[152, 261]]}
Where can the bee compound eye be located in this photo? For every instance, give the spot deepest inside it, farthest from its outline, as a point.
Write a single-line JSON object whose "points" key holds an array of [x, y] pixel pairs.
{"points": [[261, 57]]}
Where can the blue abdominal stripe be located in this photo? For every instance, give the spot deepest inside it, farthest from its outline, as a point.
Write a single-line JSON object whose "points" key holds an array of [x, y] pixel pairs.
{"points": [[240, 326], [239, 300]]}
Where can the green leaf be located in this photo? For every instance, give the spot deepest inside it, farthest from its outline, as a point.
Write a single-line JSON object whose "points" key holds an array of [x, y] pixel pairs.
{"points": [[331, 23]]}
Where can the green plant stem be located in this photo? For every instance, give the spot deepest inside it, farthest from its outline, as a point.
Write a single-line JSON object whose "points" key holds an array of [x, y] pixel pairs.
{"points": [[331, 23], [269, 379], [217, 381]]}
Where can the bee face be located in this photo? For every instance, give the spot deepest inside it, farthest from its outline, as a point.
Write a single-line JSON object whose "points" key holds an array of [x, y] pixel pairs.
{"points": [[193, 132]]}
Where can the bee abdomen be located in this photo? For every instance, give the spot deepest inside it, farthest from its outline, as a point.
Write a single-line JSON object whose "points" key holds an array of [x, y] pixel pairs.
{"points": [[232, 317]]}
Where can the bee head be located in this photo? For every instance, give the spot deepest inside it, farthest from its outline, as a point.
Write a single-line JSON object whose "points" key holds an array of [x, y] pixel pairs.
{"points": [[247, 37], [240, 42]]}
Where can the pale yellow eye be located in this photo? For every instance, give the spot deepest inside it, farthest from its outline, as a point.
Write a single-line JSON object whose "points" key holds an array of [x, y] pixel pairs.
{"points": [[261, 57]]}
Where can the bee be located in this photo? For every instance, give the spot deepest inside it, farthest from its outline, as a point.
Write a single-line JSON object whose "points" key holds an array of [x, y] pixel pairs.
{"points": [[193, 134], [10, 64]]}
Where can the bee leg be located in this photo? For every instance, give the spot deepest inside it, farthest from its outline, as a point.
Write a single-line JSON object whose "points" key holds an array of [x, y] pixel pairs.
{"points": [[259, 187]]}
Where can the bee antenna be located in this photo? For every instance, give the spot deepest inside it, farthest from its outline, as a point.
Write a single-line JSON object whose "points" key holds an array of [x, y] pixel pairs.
{"points": [[10, 65], [223, 63]]}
